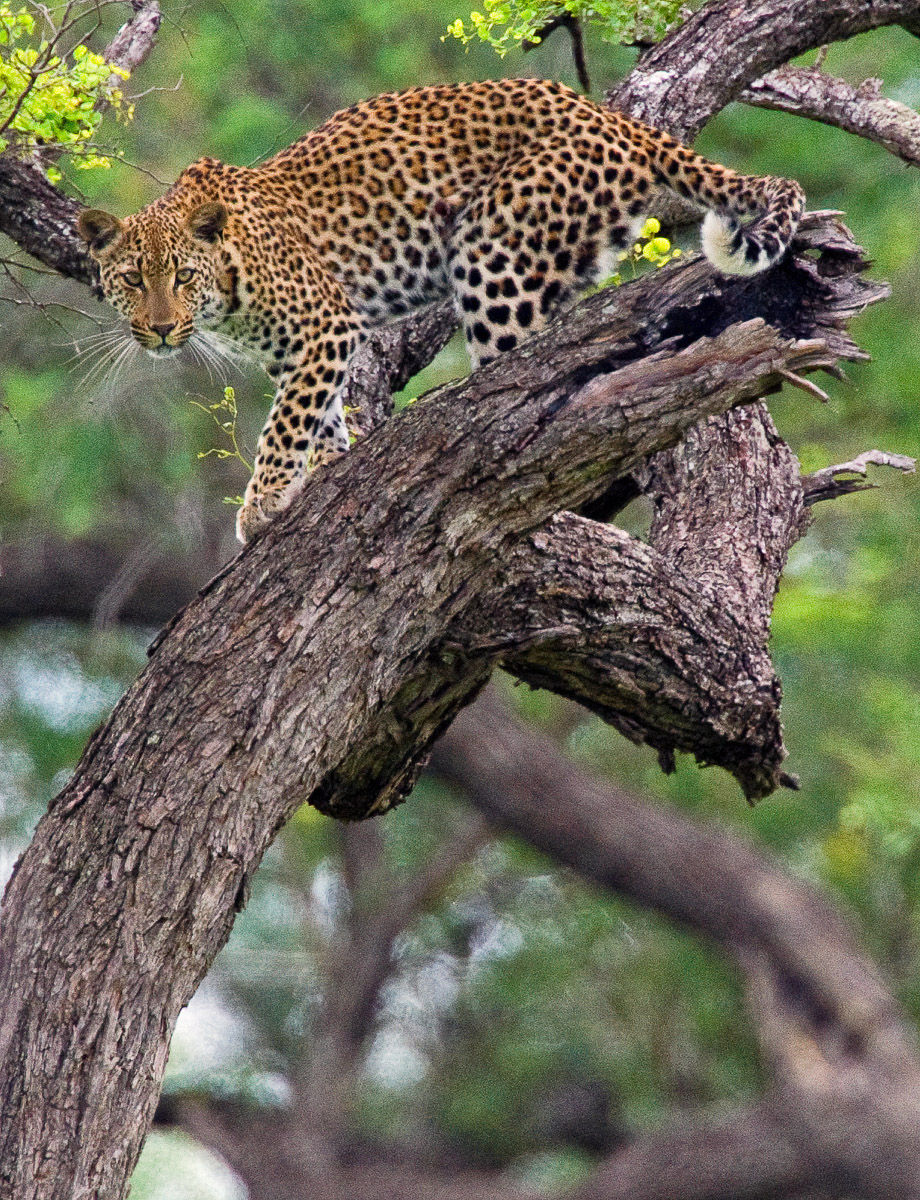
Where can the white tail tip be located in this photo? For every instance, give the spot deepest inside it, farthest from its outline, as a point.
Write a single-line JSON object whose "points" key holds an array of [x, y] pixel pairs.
{"points": [[726, 251]]}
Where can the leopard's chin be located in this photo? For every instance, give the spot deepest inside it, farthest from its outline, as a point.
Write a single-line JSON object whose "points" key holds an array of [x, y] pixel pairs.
{"points": [[163, 351]]}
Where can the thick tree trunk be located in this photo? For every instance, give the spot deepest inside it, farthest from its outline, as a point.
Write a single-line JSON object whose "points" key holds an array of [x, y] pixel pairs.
{"points": [[320, 665]]}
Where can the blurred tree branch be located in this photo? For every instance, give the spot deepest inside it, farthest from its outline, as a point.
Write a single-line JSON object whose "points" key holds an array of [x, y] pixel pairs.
{"points": [[382, 908], [843, 1111]]}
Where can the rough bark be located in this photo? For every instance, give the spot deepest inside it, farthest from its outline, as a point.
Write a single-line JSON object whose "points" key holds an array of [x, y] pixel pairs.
{"points": [[41, 219], [104, 582], [684, 80]]}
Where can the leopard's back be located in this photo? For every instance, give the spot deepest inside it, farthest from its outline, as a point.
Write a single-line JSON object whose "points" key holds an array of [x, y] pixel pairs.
{"points": [[514, 190], [383, 185]]}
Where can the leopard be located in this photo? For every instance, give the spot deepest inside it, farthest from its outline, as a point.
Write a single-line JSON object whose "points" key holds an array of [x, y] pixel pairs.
{"points": [[510, 196]]}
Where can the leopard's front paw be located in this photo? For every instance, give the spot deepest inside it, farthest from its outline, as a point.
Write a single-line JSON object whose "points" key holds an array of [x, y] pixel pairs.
{"points": [[261, 507], [249, 520]]}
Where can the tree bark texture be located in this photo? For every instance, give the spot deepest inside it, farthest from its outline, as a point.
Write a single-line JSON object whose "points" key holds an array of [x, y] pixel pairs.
{"points": [[861, 110], [323, 663]]}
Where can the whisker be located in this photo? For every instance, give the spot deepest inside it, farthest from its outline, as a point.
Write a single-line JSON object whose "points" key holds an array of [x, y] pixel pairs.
{"points": [[199, 356], [104, 357], [213, 354], [96, 345], [106, 328], [129, 351], [227, 350]]}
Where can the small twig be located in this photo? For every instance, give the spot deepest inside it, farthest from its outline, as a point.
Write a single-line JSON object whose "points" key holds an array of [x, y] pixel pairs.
{"points": [[147, 91], [27, 300], [804, 385], [573, 25]]}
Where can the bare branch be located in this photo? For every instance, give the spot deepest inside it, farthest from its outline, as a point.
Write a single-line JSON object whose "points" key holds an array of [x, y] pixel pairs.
{"points": [[573, 26], [862, 110], [691, 75], [134, 41], [50, 577], [254, 1144], [805, 385], [827, 483]]}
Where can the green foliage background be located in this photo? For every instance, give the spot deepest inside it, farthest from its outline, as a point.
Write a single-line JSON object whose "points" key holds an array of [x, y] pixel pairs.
{"points": [[519, 977]]}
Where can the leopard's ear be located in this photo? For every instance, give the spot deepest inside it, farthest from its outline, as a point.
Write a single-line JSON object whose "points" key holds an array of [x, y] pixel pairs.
{"points": [[206, 222], [100, 230]]}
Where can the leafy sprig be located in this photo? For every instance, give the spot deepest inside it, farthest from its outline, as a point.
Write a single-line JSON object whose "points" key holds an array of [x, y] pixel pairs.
{"points": [[224, 416]]}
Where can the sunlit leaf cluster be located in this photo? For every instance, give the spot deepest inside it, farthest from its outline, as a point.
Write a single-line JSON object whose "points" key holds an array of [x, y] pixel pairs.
{"points": [[50, 99], [507, 24]]}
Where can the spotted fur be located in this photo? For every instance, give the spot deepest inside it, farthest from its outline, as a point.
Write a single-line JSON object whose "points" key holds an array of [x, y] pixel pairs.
{"points": [[510, 195]]}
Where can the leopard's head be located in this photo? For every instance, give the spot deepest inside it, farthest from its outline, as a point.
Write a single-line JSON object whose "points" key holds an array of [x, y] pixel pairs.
{"points": [[161, 269]]}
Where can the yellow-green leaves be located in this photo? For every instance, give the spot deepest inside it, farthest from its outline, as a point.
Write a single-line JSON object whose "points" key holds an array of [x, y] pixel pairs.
{"points": [[650, 248], [50, 99], [224, 416], [505, 24]]}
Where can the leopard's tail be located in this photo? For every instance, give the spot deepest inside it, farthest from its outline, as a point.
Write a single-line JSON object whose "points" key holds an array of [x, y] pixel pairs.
{"points": [[751, 219]]}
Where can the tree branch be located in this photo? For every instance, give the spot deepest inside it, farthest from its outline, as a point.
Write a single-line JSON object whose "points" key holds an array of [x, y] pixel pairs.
{"points": [[133, 43], [863, 110], [827, 483], [691, 75], [603, 619], [41, 219], [33, 212], [253, 1142]]}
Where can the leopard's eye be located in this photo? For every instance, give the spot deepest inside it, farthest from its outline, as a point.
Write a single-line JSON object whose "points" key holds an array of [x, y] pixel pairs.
{"points": [[132, 278], [185, 274]]}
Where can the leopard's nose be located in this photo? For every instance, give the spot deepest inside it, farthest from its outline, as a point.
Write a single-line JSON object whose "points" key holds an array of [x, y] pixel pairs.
{"points": [[163, 330]]}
